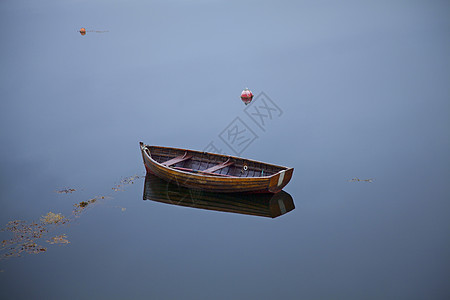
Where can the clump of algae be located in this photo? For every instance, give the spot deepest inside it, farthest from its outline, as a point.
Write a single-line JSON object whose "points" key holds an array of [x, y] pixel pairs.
{"points": [[356, 179], [66, 191], [26, 234], [52, 218], [59, 239]]}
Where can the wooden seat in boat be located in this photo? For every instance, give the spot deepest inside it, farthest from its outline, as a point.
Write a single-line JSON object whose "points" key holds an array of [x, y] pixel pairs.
{"points": [[219, 166], [177, 159]]}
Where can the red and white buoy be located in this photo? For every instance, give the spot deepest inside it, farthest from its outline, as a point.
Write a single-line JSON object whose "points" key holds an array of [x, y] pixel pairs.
{"points": [[246, 96], [83, 31]]}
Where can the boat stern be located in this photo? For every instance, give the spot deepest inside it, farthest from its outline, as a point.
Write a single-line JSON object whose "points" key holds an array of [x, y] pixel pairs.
{"points": [[279, 180]]}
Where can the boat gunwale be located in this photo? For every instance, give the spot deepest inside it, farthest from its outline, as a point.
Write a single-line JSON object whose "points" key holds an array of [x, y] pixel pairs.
{"points": [[224, 178]]}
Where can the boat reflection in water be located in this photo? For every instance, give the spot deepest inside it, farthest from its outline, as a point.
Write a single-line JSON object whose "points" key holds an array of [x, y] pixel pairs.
{"points": [[263, 205]]}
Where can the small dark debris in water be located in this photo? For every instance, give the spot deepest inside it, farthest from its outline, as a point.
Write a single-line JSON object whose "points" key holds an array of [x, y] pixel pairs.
{"points": [[121, 208], [66, 191], [33, 248], [126, 181], [79, 207], [356, 179], [83, 204]]}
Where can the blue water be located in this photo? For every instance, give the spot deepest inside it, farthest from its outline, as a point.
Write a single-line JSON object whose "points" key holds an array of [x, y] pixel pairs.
{"points": [[361, 91]]}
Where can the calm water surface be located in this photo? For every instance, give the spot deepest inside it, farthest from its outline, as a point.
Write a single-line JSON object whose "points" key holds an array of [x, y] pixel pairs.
{"points": [[361, 92]]}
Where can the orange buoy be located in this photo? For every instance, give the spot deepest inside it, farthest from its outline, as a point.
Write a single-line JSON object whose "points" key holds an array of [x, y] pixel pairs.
{"points": [[246, 96], [83, 31]]}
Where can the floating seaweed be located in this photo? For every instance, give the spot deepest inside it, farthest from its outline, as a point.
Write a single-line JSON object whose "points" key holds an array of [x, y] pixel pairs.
{"points": [[356, 179], [52, 218], [26, 235], [59, 239], [24, 231], [82, 204], [32, 248], [79, 207], [66, 191], [126, 181]]}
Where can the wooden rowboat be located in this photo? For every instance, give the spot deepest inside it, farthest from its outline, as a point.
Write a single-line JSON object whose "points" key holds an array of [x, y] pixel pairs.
{"points": [[214, 172], [262, 205]]}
